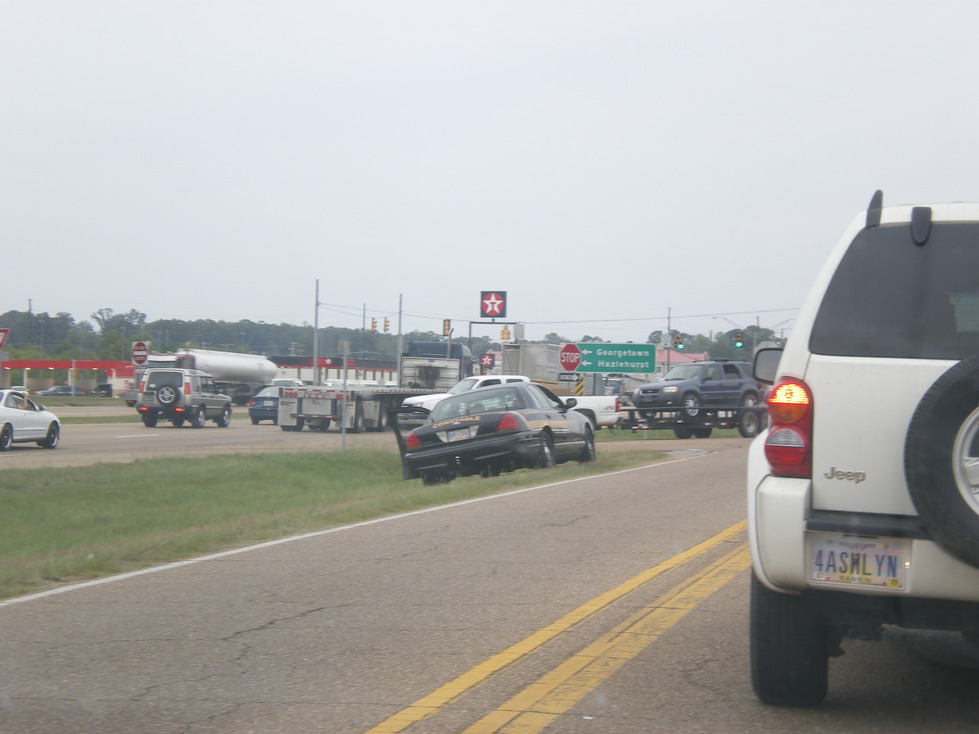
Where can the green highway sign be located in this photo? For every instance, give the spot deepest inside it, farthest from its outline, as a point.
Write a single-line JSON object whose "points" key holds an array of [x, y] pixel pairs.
{"points": [[597, 357]]}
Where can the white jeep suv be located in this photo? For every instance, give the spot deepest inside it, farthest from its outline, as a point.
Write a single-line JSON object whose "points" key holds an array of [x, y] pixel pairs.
{"points": [[863, 494]]}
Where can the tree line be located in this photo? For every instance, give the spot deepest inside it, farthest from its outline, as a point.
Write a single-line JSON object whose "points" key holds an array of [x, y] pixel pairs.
{"points": [[108, 335]]}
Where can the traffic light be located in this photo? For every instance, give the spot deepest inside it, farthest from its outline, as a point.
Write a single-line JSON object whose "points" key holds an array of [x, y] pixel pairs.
{"points": [[505, 333], [677, 341], [738, 340], [446, 327], [387, 324], [373, 324]]}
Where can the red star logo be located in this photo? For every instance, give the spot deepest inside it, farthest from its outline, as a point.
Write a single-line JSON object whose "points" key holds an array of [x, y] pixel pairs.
{"points": [[493, 303]]}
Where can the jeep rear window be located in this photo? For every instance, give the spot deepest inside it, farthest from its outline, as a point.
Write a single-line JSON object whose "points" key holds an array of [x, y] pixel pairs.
{"points": [[892, 298]]}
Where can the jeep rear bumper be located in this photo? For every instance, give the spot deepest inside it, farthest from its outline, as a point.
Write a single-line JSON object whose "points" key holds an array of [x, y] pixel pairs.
{"points": [[782, 525]]}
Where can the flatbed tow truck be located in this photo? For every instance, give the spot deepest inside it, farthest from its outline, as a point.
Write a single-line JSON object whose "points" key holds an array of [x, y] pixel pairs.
{"points": [[749, 420]]}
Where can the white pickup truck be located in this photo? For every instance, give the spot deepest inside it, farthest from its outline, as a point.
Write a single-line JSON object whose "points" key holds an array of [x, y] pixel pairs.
{"points": [[601, 410]]}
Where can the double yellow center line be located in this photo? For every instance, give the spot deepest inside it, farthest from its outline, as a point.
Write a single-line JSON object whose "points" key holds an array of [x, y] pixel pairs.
{"points": [[557, 691]]}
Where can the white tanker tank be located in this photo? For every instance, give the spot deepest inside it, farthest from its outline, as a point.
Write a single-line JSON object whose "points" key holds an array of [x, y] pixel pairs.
{"points": [[238, 375]]}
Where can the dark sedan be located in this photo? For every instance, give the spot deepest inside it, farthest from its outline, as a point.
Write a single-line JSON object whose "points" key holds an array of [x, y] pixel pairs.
{"points": [[264, 406], [493, 429], [65, 391]]}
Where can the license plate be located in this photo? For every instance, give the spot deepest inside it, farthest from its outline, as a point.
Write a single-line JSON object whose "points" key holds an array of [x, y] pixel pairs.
{"points": [[459, 434], [269, 403], [881, 562]]}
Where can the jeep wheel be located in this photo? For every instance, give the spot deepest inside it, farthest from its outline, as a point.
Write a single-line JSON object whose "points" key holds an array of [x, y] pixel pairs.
{"points": [[167, 395], [789, 648], [941, 460], [691, 405], [149, 419], [224, 420], [198, 419], [177, 422]]}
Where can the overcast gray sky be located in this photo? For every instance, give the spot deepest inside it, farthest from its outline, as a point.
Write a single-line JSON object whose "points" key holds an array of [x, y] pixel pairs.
{"points": [[604, 163]]}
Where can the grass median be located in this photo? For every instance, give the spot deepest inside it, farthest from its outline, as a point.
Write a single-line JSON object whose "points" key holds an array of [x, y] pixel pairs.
{"points": [[78, 523]]}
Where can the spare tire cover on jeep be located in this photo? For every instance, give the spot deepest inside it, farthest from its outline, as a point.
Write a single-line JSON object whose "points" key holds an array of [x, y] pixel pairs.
{"points": [[941, 460]]}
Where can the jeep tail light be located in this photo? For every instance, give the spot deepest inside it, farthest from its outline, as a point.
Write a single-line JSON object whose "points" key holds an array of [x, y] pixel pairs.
{"points": [[142, 384], [186, 388], [788, 447], [412, 441]]}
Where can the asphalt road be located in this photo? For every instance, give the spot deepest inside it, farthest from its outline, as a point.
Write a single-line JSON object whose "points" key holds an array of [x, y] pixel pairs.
{"points": [[615, 604]]}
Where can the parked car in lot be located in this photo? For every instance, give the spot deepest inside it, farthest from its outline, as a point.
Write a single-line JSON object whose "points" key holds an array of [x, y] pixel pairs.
{"points": [[493, 429], [103, 390], [264, 405], [863, 494], [66, 391], [699, 385], [24, 421]]}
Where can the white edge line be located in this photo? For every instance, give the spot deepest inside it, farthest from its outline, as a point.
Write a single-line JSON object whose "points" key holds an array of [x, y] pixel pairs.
{"points": [[318, 533]]}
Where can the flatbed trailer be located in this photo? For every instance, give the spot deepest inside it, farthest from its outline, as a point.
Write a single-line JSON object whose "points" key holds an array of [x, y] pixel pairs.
{"points": [[352, 409], [749, 420]]}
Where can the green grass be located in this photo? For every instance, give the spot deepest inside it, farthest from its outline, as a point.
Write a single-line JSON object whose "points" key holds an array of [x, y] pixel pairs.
{"points": [[70, 524]]}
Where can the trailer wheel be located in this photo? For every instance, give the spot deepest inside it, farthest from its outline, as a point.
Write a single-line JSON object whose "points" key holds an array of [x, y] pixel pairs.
{"points": [[382, 419], [750, 424], [703, 432], [682, 432]]}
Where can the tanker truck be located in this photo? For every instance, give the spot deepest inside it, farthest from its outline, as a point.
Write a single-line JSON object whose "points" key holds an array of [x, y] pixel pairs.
{"points": [[239, 376]]}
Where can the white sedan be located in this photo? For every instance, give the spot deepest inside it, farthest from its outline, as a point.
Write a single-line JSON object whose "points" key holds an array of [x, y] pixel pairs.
{"points": [[23, 421]]}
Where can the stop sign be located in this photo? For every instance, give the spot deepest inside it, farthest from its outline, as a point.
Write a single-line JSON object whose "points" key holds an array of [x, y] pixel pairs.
{"points": [[140, 352], [570, 357]]}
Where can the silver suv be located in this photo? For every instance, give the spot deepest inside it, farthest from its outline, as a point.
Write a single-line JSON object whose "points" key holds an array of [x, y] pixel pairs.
{"points": [[863, 494], [180, 395]]}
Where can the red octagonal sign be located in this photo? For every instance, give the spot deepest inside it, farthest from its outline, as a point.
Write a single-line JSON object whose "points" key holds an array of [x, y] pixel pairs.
{"points": [[570, 357]]}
